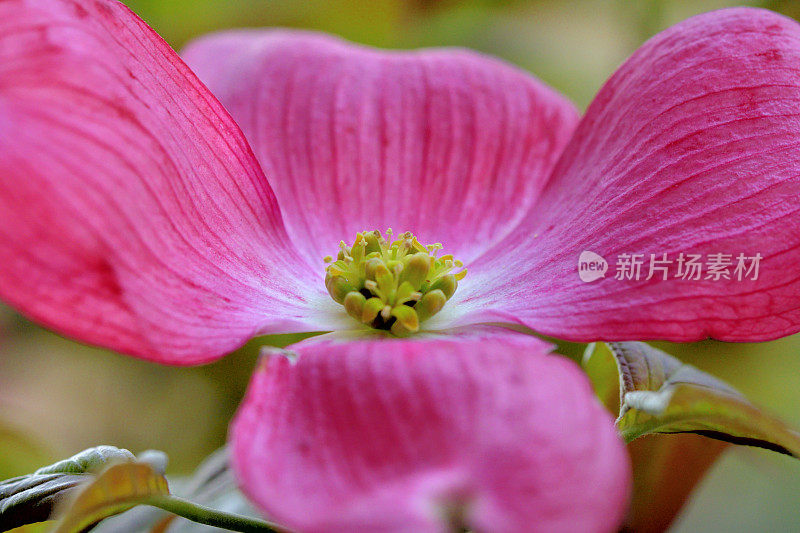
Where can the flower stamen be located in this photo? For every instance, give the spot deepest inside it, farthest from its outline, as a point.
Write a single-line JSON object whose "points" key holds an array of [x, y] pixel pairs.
{"points": [[392, 284]]}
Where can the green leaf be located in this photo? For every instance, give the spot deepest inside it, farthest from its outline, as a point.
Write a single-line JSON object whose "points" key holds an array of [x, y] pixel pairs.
{"points": [[117, 489], [212, 485], [600, 365], [32, 498], [121, 487], [90, 460], [124, 483], [659, 394]]}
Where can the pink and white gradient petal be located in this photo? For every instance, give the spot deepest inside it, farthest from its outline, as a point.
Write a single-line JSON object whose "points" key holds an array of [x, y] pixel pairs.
{"points": [[133, 213], [691, 146], [449, 144], [392, 435]]}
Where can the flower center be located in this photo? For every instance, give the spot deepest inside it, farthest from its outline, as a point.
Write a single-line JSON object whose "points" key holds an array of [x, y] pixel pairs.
{"points": [[392, 285]]}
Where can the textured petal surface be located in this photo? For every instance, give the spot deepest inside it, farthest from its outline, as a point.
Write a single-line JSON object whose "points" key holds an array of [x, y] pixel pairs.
{"points": [[390, 435], [132, 211], [448, 144], [691, 147]]}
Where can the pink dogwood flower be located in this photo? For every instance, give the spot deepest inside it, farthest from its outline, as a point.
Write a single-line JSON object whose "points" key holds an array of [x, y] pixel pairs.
{"points": [[135, 215]]}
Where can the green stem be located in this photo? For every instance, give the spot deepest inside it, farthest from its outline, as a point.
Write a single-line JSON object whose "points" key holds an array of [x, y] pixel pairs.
{"points": [[212, 517]]}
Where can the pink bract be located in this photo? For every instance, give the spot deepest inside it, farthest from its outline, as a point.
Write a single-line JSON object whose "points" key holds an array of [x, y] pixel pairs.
{"points": [[352, 138], [394, 435], [134, 215]]}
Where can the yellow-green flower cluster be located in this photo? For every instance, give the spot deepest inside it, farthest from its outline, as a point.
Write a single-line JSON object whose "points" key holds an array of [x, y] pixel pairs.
{"points": [[392, 285]]}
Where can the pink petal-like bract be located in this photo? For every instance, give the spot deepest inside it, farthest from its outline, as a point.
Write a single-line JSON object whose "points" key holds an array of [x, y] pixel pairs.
{"points": [[693, 147], [133, 213], [405, 435], [449, 144], [688, 149]]}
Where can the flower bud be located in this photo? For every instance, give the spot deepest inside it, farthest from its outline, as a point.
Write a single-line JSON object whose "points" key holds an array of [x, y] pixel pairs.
{"points": [[416, 270], [398, 330], [372, 307], [354, 304], [430, 304], [371, 267], [447, 284], [385, 281], [338, 287], [372, 243], [406, 316]]}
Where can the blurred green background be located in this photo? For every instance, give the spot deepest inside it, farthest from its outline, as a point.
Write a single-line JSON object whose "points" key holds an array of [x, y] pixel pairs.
{"points": [[58, 397]]}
